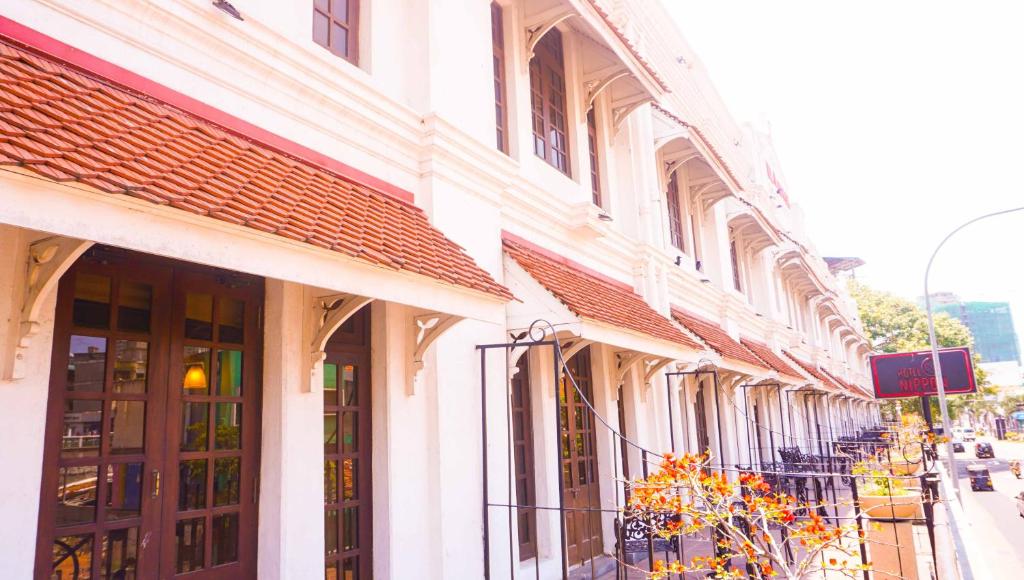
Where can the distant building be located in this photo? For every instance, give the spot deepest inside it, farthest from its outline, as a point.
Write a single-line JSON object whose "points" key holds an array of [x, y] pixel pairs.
{"points": [[991, 323]]}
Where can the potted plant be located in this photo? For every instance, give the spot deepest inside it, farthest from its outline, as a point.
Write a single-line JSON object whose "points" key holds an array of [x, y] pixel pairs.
{"points": [[882, 495]]}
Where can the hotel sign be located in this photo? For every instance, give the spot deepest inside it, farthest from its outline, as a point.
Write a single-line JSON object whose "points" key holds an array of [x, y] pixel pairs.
{"points": [[912, 374]]}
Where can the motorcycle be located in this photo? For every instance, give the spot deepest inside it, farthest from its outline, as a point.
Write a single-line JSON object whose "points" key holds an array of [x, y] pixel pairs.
{"points": [[1015, 468]]}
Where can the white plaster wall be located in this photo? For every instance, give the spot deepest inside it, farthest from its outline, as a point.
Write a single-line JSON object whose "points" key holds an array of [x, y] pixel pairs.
{"points": [[291, 503], [22, 410]]}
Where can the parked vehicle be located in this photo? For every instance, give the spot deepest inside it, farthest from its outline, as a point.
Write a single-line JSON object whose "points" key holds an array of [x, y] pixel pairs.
{"points": [[958, 446], [983, 449], [980, 478]]}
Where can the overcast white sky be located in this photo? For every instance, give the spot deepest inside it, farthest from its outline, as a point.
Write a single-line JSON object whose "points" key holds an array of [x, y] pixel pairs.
{"points": [[894, 122]]}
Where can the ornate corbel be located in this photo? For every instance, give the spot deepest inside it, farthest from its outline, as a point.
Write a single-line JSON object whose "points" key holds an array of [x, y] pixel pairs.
{"points": [[536, 32], [674, 164], [595, 87], [572, 346], [332, 312], [428, 328], [620, 113], [626, 360], [652, 365], [48, 259]]}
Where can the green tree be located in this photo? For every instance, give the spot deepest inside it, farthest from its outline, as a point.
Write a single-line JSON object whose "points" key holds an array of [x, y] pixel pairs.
{"points": [[894, 324]]}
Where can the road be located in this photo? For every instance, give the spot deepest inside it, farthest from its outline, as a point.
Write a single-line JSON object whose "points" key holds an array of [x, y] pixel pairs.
{"points": [[998, 527]]}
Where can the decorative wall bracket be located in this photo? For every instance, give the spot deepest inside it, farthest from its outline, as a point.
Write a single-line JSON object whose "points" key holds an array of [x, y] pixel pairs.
{"points": [[652, 365], [428, 328], [536, 32], [331, 313], [48, 259], [625, 361], [595, 87], [620, 112]]}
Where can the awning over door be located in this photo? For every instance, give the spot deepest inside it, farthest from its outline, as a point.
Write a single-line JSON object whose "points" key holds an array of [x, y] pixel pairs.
{"points": [[717, 338], [852, 388], [74, 127], [817, 374], [597, 301], [773, 360]]}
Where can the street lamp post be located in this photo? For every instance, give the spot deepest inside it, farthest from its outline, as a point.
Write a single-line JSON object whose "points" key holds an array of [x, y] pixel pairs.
{"points": [[947, 427]]}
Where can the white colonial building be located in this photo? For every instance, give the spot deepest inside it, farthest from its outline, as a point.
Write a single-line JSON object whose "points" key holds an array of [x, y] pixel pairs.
{"points": [[249, 251]]}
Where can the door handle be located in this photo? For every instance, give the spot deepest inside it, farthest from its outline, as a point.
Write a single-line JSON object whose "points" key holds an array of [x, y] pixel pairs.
{"points": [[156, 484]]}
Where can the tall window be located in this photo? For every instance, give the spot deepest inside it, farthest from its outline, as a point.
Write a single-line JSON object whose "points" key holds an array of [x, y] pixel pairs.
{"points": [[595, 170], [675, 215], [335, 27], [734, 256], [547, 95], [500, 95], [522, 442]]}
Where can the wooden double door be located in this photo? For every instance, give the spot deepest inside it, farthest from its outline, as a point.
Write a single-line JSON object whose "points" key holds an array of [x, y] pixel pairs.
{"points": [[581, 489], [152, 432], [348, 483]]}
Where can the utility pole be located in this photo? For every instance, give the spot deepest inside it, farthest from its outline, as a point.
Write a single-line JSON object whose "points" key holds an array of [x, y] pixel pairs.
{"points": [[947, 426]]}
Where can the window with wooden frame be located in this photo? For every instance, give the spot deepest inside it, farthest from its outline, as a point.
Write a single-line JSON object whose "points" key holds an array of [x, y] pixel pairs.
{"points": [[734, 257], [675, 213], [547, 96], [336, 27], [595, 168], [500, 92], [522, 445]]}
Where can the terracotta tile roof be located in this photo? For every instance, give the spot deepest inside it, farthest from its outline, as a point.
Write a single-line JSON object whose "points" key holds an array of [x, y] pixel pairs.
{"points": [[588, 296], [815, 372], [717, 338], [773, 360], [69, 126], [630, 45], [850, 387]]}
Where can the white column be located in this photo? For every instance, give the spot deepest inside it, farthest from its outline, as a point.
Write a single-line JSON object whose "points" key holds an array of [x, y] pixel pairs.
{"points": [[22, 410], [291, 522]]}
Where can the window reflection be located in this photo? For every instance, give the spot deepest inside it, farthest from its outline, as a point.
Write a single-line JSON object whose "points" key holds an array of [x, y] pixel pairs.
{"points": [[76, 495], [80, 434], [199, 316], [87, 364], [124, 490], [120, 553], [72, 557], [130, 366], [91, 306], [134, 300], [190, 543]]}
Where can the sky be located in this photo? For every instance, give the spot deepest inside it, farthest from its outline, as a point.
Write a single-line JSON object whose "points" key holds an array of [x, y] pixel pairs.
{"points": [[894, 121]]}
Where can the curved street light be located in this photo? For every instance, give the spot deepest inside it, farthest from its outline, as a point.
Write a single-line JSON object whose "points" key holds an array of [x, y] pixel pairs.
{"points": [[939, 382]]}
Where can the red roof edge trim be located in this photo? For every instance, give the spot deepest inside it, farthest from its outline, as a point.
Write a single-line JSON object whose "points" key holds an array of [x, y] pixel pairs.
{"points": [[506, 235], [103, 71], [630, 45]]}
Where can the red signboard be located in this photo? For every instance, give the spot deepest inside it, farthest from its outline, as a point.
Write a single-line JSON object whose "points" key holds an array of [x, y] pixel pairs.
{"points": [[912, 374]]}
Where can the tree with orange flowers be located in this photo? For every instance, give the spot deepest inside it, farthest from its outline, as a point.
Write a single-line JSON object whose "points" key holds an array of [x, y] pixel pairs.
{"points": [[757, 532]]}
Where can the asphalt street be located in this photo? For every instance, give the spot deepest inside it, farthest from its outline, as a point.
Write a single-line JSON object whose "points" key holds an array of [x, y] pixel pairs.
{"points": [[999, 528]]}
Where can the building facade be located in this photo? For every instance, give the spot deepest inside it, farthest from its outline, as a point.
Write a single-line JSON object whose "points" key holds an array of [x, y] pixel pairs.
{"points": [[991, 324], [250, 253]]}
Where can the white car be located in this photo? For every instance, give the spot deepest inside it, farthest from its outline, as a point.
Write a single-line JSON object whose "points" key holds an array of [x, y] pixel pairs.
{"points": [[1020, 504], [967, 434]]}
